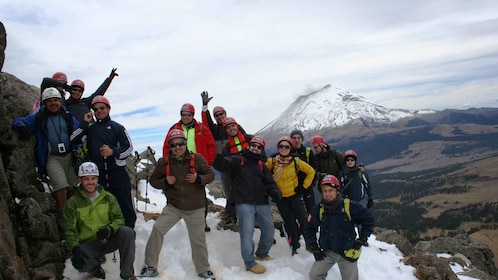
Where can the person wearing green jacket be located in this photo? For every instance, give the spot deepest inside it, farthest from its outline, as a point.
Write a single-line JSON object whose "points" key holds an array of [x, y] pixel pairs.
{"points": [[94, 225]]}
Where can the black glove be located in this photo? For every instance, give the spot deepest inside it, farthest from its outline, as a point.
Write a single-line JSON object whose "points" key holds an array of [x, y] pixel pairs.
{"points": [[113, 73], [275, 195], [104, 233], [317, 252], [299, 189], [23, 132], [79, 258], [205, 98], [362, 239], [357, 244], [370, 203]]}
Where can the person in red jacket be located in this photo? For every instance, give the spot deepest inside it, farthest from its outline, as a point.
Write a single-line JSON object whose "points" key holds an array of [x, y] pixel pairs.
{"points": [[199, 138]]}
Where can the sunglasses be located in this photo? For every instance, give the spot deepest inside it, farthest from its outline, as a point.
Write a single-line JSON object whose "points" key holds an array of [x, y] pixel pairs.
{"points": [[285, 147], [219, 115], [186, 115], [174, 145], [350, 159], [77, 89], [100, 108], [259, 147]]}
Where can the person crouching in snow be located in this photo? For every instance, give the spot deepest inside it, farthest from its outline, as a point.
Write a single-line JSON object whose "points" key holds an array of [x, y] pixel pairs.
{"points": [[336, 218]]}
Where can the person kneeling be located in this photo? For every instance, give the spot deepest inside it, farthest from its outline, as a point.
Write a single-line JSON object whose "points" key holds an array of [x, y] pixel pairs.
{"points": [[94, 225]]}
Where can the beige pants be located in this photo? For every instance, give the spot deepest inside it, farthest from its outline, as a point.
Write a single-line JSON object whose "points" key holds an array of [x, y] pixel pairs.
{"points": [[61, 172], [195, 226]]}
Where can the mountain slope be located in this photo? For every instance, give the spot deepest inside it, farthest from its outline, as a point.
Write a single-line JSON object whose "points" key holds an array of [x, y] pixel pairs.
{"points": [[332, 107]]}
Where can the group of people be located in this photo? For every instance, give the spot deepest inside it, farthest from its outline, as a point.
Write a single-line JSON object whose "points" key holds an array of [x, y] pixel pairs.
{"points": [[315, 189]]}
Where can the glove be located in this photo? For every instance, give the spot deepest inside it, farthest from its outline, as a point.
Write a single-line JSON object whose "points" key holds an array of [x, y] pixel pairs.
{"points": [[104, 233], [362, 240], [370, 203], [299, 189], [357, 244], [205, 98], [79, 258], [317, 252], [275, 195], [113, 73], [23, 132]]}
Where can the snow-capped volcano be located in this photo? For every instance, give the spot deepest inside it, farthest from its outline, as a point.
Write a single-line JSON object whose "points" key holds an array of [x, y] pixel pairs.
{"points": [[332, 107]]}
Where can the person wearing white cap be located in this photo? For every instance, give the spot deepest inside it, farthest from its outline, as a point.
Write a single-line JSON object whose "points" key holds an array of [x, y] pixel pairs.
{"points": [[55, 130]]}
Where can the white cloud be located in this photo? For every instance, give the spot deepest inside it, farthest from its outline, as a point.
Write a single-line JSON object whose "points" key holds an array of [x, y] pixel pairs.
{"points": [[256, 57]]}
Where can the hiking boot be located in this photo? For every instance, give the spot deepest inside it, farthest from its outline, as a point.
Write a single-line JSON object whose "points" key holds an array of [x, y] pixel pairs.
{"points": [[294, 252], [267, 258], [207, 228], [98, 272], [149, 271], [258, 269], [207, 275]]}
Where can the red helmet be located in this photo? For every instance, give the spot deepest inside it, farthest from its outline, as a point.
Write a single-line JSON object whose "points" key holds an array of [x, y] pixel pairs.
{"points": [[285, 138], [350, 153], [59, 76], [78, 83], [218, 109], [227, 121], [188, 108], [101, 99], [317, 139], [330, 180], [259, 140], [175, 133]]}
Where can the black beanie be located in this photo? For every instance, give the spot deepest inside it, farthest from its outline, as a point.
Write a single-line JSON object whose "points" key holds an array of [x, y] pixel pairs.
{"points": [[297, 131]]}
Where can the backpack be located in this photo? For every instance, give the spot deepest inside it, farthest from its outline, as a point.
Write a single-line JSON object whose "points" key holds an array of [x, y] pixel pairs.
{"points": [[191, 165], [350, 254], [348, 178]]}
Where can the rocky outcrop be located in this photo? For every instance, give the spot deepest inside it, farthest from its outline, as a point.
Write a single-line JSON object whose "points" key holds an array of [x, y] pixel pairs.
{"points": [[31, 236], [3, 44], [475, 256]]}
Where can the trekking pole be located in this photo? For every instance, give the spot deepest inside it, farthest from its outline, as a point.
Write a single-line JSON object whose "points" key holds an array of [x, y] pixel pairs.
{"points": [[106, 174], [137, 161], [150, 152]]}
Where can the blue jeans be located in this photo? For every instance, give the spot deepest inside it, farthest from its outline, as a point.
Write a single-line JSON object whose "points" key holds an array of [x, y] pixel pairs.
{"points": [[247, 214]]}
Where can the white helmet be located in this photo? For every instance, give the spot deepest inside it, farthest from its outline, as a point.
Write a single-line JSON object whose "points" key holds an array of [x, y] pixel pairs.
{"points": [[51, 93], [88, 169]]}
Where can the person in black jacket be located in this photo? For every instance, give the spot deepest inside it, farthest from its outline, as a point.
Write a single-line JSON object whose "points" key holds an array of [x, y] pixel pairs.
{"points": [[335, 218], [78, 106], [252, 184], [305, 154], [108, 146]]}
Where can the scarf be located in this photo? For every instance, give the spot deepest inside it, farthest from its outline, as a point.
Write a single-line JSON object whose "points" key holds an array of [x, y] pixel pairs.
{"points": [[281, 162]]}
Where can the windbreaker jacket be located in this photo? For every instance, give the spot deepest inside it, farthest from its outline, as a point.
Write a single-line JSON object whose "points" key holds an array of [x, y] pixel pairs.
{"points": [[252, 182], [289, 180], [79, 108], [37, 125], [204, 141], [115, 136], [328, 162], [219, 134], [337, 232], [182, 195], [83, 218], [354, 183]]}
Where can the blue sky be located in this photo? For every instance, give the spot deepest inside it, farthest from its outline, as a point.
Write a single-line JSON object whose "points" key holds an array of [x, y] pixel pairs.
{"points": [[257, 57]]}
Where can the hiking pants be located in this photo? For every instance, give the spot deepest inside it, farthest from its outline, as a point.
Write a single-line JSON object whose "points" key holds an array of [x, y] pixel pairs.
{"points": [[123, 239], [319, 269], [118, 183], [291, 209], [194, 221]]}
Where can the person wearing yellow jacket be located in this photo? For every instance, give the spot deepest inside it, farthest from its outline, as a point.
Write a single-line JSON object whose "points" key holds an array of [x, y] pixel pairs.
{"points": [[285, 169]]}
